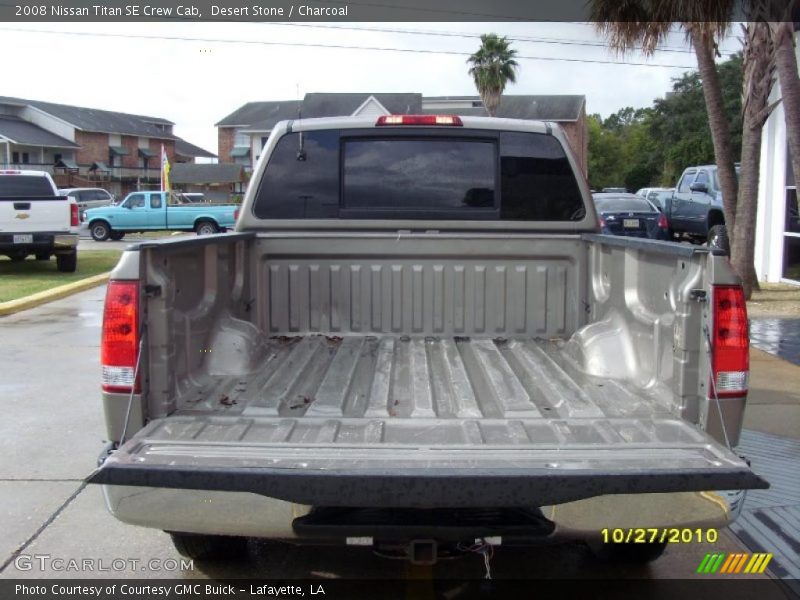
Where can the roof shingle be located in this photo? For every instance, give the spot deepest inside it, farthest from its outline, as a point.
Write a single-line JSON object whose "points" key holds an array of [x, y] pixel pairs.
{"points": [[184, 148], [23, 132], [94, 119]]}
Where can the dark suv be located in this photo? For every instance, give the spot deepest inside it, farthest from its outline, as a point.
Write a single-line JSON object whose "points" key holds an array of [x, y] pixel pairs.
{"points": [[695, 208]]}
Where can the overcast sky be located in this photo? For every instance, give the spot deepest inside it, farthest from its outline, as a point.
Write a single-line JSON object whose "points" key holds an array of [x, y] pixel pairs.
{"points": [[206, 70]]}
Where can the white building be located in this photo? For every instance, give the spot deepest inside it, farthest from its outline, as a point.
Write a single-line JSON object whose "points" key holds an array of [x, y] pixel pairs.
{"points": [[777, 252]]}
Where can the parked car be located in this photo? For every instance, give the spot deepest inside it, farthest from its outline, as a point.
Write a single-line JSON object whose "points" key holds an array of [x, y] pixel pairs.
{"points": [[36, 220], [415, 339], [614, 190], [695, 209], [89, 198], [155, 211], [658, 196], [631, 215]]}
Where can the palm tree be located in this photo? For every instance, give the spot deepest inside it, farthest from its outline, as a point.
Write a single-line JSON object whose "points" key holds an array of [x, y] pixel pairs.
{"points": [[645, 24], [786, 66], [493, 66], [759, 70]]}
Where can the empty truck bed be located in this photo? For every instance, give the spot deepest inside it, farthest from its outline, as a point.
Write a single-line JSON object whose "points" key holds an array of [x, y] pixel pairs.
{"points": [[462, 421]]}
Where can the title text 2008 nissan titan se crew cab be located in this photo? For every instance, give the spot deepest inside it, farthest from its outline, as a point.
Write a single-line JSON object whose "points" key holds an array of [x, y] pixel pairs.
{"points": [[416, 338]]}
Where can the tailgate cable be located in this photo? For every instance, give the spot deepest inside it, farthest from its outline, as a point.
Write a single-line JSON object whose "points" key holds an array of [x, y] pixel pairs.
{"points": [[713, 384], [133, 389]]}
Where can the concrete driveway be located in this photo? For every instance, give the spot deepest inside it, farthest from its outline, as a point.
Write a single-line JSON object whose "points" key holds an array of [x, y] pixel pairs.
{"points": [[53, 431]]}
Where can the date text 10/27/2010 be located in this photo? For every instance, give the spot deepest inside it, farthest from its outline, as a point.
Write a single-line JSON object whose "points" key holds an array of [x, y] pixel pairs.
{"points": [[656, 535]]}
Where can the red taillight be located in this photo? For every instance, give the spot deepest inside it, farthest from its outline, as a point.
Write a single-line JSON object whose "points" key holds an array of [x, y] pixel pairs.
{"points": [[236, 215], [601, 221], [120, 340], [662, 221], [449, 120], [73, 215], [731, 352]]}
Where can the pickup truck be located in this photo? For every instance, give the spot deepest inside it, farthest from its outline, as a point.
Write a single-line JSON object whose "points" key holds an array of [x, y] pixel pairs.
{"points": [[695, 208], [36, 220], [156, 211], [416, 339]]}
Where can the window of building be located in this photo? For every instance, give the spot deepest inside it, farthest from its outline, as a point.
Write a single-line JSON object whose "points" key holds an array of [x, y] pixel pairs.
{"points": [[791, 226], [26, 158], [15, 157], [241, 139]]}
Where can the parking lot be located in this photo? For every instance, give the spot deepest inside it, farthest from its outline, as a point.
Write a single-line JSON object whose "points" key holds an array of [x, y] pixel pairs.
{"points": [[50, 442]]}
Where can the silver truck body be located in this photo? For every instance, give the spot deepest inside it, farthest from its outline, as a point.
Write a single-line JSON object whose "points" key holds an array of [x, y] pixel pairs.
{"points": [[421, 365]]}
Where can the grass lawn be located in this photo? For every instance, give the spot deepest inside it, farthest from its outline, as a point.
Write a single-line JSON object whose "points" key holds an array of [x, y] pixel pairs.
{"points": [[20, 279]]}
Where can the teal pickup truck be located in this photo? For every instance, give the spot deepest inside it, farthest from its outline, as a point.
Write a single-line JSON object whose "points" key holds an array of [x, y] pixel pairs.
{"points": [[158, 211]]}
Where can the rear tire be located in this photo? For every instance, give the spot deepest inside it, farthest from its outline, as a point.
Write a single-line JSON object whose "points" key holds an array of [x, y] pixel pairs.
{"points": [[718, 239], [67, 263], [209, 547], [205, 228], [100, 231], [636, 554]]}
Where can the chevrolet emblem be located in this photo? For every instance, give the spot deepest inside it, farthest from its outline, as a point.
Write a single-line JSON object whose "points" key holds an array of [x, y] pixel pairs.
{"points": [[22, 216]]}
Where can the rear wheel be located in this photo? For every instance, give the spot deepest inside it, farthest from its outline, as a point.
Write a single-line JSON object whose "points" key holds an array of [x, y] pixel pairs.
{"points": [[205, 228], [628, 553], [209, 547], [718, 239], [116, 235], [100, 231], [67, 263]]}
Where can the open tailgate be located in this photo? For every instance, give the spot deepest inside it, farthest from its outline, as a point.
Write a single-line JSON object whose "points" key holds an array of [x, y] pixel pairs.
{"points": [[425, 463]]}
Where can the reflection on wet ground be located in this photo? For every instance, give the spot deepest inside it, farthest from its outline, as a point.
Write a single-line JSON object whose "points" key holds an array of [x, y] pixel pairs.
{"points": [[780, 337]]}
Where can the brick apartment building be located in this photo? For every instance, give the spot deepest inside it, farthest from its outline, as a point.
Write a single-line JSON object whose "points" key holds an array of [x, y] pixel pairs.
{"points": [[87, 147], [243, 133]]}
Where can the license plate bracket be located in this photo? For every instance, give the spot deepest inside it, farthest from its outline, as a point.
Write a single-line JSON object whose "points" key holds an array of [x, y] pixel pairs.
{"points": [[631, 223], [23, 239]]}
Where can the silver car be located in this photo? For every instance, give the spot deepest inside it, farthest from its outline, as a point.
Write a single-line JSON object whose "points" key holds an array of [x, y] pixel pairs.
{"points": [[88, 198]]}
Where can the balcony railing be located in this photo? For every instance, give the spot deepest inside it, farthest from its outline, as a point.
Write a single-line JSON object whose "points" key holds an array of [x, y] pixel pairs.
{"points": [[113, 173], [27, 167]]}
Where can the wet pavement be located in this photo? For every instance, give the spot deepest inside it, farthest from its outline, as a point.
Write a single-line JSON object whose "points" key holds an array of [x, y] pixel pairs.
{"points": [[779, 337]]}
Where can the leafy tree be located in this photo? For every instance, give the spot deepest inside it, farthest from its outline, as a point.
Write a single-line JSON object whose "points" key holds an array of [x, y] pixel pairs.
{"points": [[646, 147], [680, 120], [492, 67]]}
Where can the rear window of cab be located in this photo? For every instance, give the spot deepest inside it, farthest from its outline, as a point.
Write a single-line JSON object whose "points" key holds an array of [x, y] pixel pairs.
{"points": [[419, 174]]}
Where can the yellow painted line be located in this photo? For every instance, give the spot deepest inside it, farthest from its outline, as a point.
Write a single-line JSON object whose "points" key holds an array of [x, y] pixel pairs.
{"points": [[56, 293]]}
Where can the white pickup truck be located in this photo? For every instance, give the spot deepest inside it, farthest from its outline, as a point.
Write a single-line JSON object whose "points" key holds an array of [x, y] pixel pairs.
{"points": [[416, 339], [35, 220]]}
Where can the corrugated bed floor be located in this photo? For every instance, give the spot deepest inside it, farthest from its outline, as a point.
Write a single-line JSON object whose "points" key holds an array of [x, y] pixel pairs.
{"points": [[384, 377], [770, 519]]}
